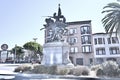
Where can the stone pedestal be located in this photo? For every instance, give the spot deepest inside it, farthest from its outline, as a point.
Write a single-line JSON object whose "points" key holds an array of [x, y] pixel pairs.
{"points": [[55, 53]]}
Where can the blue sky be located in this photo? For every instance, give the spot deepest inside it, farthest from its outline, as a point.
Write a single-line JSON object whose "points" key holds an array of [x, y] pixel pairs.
{"points": [[21, 20]]}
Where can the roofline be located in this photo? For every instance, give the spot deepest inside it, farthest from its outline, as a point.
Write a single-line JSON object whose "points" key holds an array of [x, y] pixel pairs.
{"points": [[78, 22], [101, 33]]}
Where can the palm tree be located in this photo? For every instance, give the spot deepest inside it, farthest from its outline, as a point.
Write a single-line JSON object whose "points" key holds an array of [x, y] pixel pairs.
{"points": [[111, 21]]}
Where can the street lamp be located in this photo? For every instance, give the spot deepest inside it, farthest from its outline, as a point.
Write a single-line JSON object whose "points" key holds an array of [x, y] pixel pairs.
{"points": [[15, 53], [35, 39]]}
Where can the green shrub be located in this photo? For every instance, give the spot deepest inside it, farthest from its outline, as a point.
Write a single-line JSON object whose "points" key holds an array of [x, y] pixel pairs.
{"points": [[52, 69], [108, 68], [63, 71], [71, 71], [99, 72], [42, 69], [95, 67], [23, 68], [81, 70]]}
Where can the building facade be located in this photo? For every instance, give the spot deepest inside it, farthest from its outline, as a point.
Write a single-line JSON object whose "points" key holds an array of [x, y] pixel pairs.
{"points": [[106, 47], [80, 42], [79, 37]]}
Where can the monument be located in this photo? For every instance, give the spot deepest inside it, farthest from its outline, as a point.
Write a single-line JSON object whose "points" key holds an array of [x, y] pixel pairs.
{"points": [[55, 50]]}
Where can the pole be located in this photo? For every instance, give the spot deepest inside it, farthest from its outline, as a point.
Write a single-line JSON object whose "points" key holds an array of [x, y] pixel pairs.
{"points": [[35, 39], [15, 54]]}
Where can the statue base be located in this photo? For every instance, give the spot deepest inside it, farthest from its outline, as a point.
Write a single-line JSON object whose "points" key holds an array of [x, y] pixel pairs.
{"points": [[55, 53]]}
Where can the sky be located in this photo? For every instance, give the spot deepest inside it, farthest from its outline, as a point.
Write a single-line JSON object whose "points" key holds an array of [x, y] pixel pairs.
{"points": [[21, 20]]}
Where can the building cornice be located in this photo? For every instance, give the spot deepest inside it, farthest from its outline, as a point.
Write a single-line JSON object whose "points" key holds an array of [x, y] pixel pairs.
{"points": [[79, 22]]}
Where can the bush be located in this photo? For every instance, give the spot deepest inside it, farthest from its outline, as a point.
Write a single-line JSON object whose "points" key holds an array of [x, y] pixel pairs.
{"points": [[63, 71], [23, 68], [81, 70], [95, 67], [99, 72], [39, 69], [52, 69], [108, 68], [42, 69]]}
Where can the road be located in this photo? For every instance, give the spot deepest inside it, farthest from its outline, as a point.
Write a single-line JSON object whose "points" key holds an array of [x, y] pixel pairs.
{"points": [[8, 67], [6, 71]]}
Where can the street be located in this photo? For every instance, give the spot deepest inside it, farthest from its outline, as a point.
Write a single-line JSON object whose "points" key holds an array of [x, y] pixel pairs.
{"points": [[6, 71], [8, 67]]}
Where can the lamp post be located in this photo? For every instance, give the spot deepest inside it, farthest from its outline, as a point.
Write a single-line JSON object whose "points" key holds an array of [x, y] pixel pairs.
{"points": [[35, 39], [15, 53]]}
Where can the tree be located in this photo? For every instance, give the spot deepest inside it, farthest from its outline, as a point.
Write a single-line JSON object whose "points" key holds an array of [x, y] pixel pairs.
{"points": [[19, 52], [33, 46], [111, 21], [36, 48]]}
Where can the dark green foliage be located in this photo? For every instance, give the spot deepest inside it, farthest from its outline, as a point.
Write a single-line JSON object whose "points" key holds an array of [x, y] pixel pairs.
{"points": [[33, 46], [19, 52], [95, 67], [55, 70], [42, 69], [52, 69], [81, 70], [111, 21], [23, 68], [108, 68], [99, 72]]}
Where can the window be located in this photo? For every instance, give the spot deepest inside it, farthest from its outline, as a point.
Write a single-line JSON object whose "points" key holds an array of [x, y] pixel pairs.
{"points": [[87, 49], [86, 39], [99, 41], [72, 40], [73, 49], [95, 41], [111, 59], [113, 40], [109, 41], [73, 30], [79, 61], [85, 29], [100, 51], [114, 50], [91, 61], [99, 60]]}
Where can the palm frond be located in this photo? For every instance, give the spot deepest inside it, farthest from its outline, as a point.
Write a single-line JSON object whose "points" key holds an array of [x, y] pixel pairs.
{"points": [[118, 30], [112, 5], [111, 20], [109, 23], [108, 27], [112, 28], [109, 11], [108, 16]]}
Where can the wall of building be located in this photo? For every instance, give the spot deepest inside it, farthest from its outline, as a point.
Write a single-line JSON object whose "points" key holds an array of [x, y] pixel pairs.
{"points": [[79, 57], [106, 47]]}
